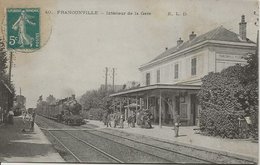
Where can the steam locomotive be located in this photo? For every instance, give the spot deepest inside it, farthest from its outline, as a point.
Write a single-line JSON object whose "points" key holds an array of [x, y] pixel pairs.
{"points": [[65, 111]]}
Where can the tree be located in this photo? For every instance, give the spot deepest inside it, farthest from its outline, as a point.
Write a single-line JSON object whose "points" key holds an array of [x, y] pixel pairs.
{"points": [[250, 98], [4, 78], [3, 59], [3, 66], [227, 96], [219, 101], [51, 100], [95, 102]]}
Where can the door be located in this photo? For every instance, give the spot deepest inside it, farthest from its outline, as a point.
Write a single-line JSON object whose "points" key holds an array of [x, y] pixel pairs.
{"points": [[194, 108], [167, 112], [177, 104]]}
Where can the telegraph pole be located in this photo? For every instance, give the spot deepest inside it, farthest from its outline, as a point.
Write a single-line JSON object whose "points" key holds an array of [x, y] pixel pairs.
{"points": [[113, 79], [10, 66]]}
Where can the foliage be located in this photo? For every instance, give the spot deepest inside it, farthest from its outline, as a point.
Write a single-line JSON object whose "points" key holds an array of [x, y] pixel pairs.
{"points": [[227, 96], [51, 100], [3, 66], [95, 99], [250, 98], [96, 102], [95, 114], [99, 100], [3, 59]]}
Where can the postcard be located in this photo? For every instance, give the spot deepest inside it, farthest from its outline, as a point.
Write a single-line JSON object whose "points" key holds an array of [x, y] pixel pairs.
{"points": [[132, 81]]}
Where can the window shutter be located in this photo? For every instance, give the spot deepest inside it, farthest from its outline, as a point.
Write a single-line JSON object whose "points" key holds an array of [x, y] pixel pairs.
{"points": [[200, 65]]}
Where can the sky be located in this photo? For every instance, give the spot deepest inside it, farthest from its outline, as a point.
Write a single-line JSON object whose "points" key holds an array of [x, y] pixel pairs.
{"points": [[77, 48]]}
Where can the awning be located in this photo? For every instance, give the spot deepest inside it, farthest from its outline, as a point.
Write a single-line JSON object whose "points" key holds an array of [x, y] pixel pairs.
{"points": [[155, 87]]}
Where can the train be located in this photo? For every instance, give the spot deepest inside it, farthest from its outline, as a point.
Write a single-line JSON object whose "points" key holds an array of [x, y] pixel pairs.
{"points": [[67, 111]]}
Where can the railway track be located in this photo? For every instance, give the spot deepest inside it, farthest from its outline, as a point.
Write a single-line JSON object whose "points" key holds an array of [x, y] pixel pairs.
{"points": [[93, 149], [45, 122], [169, 155], [201, 154], [82, 150], [101, 150], [111, 146]]}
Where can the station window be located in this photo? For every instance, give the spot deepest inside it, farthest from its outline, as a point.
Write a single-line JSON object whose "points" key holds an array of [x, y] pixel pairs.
{"points": [[158, 76], [193, 66], [176, 71], [148, 77]]}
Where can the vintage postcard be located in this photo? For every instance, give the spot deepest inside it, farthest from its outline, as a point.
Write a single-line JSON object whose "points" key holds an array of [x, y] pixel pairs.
{"points": [[132, 81]]}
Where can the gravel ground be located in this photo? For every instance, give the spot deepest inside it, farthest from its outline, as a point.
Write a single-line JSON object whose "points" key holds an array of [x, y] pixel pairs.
{"points": [[45, 123], [121, 151], [59, 148], [155, 150], [131, 150], [84, 152], [217, 157]]}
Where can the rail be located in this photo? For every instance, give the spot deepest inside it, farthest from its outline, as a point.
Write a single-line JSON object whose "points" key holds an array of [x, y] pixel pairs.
{"points": [[237, 157], [161, 148]]}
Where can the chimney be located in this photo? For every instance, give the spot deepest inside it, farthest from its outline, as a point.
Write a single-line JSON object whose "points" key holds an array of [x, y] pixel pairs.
{"points": [[242, 28], [166, 48], [179, 42], [192, 36]]}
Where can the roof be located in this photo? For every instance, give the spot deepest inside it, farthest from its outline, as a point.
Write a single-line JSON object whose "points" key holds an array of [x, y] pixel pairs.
{"points": [[110, 87], [156, 87], [219, 34]]}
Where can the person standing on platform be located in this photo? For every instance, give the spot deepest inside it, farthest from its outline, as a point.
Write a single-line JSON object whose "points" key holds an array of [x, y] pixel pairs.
{"points": [[133, 119], [109, 117], [26, 117], [149, 120], [176, 125], [122, 121], [11, 117], [33, 120], [5, 118]]}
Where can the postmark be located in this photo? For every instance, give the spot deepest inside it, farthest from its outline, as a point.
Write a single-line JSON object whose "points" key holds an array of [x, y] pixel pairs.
{"points": [[23, 28]]}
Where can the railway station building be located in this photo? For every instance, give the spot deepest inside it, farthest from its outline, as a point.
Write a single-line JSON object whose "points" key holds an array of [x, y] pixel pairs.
{"points": [[6, 99], [170, 82]]}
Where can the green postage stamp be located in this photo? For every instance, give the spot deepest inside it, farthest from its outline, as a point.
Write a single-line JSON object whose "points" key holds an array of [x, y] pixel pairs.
{"points": [[23, 28]]}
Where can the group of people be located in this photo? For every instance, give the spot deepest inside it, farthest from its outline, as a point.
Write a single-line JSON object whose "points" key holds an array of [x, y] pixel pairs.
{"points": [[28, 120], [142, 118], [113, 119], [7, 117], [28, 117]]}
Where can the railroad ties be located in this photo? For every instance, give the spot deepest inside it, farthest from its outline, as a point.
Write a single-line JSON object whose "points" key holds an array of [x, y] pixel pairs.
{"points": [[96, 145]]}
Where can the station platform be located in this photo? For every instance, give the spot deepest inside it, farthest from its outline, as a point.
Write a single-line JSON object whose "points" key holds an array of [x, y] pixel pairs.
{"points": [[188, 136], [29, 146]]}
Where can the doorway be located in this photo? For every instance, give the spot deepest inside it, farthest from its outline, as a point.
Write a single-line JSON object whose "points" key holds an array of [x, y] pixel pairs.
{"points": [[194, 109]]}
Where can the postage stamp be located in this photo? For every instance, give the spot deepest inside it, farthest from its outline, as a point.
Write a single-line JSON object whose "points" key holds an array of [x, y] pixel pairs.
{"points": [[23, 28]]}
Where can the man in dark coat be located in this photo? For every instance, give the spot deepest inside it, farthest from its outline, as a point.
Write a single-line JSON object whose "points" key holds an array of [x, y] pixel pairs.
{"points": [[176, 124]]}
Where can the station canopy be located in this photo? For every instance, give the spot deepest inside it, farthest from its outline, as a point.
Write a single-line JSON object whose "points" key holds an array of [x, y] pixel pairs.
{"points": [[153, 89]]}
